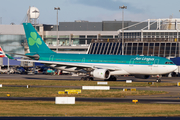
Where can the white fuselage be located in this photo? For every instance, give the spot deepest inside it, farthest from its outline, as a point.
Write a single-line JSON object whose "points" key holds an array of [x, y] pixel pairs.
{"points": [[149, 69], [127, 69]]}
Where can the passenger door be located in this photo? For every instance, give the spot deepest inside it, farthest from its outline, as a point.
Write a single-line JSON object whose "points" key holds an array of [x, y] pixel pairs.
{"points": [[51, 58], [156, 62], [83, 60], [131, 62]]}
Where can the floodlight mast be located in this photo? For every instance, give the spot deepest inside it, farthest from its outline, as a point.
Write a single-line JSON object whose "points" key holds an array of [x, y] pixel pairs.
{"points": [[122, 7], [57, 8]]}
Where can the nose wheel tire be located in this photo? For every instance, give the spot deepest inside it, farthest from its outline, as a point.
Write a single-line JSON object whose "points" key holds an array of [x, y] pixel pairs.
{"points": [[158, 80]]}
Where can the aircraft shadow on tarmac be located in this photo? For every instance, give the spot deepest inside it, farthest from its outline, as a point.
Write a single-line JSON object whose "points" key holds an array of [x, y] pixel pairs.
{"points": [[46, 78], [69, 77]]}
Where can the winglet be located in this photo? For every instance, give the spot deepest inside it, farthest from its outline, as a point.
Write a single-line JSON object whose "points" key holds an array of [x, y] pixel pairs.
{"points": [[9, 56]]}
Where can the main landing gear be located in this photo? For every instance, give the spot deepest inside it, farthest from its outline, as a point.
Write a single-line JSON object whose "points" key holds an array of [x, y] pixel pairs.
{"points": [[158, 80], [88, 78], [111, 78]]}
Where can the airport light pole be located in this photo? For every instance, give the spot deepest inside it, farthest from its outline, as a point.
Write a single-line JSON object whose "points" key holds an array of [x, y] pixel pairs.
{"points": [[123, 7], [57, 8], [0, 20]]}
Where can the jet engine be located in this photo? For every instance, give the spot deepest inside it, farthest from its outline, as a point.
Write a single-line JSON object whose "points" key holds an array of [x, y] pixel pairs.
{"points": [[101, 73], [142, 76]]}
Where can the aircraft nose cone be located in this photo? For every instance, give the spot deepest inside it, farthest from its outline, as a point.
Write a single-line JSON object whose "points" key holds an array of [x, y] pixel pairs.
{"points": [[171, 68], [175, 67]]}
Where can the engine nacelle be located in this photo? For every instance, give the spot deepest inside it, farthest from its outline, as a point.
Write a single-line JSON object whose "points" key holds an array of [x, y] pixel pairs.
{"points": [[101, 73], [142, 76]]}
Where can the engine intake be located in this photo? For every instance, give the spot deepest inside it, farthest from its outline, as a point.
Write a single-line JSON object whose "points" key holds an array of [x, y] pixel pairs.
{"points": [[101, 73]]}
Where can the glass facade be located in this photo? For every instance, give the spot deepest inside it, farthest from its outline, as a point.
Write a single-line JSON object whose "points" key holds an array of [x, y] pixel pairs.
{"points": [[66, 40], [159, 43], [75, 39], [155, 49], [136, 48], [13, 43], [151, 36]]}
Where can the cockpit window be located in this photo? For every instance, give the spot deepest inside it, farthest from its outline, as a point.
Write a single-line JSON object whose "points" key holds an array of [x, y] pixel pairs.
{"points": [[169, 63]]}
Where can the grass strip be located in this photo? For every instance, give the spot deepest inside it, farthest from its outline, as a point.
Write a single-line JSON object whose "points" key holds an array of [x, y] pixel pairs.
{"points": [[52, 92], [80, 83], [96, 109]]}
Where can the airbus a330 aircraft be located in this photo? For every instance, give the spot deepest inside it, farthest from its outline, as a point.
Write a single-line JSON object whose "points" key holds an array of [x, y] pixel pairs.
{"points": [[98, 66]]}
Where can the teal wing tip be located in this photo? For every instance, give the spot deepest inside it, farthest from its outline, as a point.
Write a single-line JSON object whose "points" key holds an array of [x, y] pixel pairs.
{"points": [[9, 56]]}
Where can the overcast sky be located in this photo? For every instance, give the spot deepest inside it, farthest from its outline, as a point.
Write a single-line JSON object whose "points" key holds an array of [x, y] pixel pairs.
{"points": [[90, 10]]}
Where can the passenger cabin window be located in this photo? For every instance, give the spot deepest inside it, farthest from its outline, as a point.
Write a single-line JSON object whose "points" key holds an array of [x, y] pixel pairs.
{"points": [[169, 63]]}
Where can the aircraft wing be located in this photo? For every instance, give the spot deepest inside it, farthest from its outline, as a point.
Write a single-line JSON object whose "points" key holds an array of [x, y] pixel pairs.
{"points": [[81, 65]]}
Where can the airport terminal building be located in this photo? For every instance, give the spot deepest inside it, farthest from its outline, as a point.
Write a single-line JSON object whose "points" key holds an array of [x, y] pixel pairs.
{"points": [[162, 40], [157, 37]]}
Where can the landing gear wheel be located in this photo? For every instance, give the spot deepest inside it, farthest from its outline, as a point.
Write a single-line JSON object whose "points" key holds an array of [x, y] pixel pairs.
{"points": [[114, 79], [87, 78], [111, 78], [91, 78], [158, 80], [82, 78]]}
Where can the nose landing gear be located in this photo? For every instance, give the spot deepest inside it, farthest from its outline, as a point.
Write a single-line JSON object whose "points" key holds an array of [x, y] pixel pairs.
{"points": [[158, 80]]}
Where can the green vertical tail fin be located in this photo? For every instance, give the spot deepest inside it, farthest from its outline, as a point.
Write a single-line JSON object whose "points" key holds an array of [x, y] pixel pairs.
{"points": [[35, 42]]}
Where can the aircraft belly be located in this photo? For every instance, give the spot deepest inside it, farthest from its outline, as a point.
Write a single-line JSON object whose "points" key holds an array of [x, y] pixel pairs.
{"points": [[164, 69], [120, 72], [139, 69], [72, 69]]}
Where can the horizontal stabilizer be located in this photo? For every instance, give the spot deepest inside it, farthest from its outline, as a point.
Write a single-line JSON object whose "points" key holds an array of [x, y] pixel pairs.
{"points": [[34, 57]]}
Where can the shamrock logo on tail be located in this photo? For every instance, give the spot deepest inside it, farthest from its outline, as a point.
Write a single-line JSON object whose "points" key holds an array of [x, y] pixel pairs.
{"points": [[34, 40]]}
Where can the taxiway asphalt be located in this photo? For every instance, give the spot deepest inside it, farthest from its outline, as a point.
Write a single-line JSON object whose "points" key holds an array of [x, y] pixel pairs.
{"points": [[70, 77], [121, 100]]}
